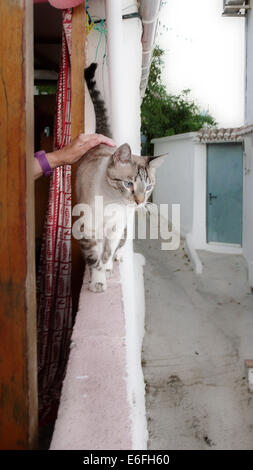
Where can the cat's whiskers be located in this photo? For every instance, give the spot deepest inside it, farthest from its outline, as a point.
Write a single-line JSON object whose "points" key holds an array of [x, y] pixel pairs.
{"points": [[151, 207]]}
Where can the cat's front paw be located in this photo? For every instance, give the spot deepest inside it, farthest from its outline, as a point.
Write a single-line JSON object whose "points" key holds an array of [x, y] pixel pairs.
{"points": [[97, 286], [98, 281]]}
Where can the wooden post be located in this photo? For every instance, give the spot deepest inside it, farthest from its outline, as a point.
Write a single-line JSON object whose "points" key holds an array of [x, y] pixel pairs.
{"points": [[77, 127], [18, 355], [77, 70]]}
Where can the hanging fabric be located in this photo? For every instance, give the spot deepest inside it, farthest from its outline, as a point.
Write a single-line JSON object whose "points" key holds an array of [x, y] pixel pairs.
{"points": [[54, 304]]}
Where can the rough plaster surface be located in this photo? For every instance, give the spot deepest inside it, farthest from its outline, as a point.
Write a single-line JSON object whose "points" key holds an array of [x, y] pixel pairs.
{"points": [[94, 410], [199, 330]]}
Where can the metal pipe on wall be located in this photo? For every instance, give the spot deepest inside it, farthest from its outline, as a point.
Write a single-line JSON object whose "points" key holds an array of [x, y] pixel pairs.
{"points": [[149, 10]]}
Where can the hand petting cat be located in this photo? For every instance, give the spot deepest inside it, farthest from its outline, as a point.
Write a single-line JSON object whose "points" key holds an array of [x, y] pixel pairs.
{"points": [[69, 154]]}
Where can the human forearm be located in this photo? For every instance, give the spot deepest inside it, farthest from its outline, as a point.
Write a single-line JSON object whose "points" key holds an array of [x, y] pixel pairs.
{"points": [[72, 152], [53, 160]]}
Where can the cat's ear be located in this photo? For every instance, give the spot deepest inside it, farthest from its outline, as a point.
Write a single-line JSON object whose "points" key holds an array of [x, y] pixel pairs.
{"points": [[155, 162], [123, 154]]}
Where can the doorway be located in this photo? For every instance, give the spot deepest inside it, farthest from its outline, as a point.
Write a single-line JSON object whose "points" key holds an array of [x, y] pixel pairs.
{"points": [[224, 193]]}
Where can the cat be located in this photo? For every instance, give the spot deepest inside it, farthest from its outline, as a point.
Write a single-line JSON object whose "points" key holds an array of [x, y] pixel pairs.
{"points": [[122, 179]]}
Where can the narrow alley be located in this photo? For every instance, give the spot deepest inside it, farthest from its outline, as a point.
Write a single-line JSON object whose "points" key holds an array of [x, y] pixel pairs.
{"points": [[199, 331]]}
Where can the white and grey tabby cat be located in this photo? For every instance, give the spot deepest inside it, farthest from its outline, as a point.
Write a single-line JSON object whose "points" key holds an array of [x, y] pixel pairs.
{"points": [[122, 179]]}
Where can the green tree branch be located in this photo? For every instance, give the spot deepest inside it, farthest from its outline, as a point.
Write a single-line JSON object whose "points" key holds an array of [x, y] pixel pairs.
{"points": [[164, 114]]}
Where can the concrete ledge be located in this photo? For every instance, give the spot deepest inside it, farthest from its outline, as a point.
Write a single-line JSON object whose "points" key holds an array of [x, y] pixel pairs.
{"points": [[94, 411]]}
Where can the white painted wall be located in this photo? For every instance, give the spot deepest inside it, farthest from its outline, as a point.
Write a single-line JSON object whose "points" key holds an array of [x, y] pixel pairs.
{"points": [[175, 177]]}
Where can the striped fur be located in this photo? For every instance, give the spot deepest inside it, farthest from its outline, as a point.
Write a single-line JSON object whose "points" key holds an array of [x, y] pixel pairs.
{"points": [[120, 178]]}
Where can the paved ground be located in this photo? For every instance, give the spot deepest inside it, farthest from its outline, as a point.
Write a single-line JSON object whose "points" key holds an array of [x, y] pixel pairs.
{"points": [[199, 330]]}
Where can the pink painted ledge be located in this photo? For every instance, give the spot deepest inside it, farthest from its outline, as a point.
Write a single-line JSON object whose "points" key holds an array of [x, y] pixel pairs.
{"points": [[94, 411]]}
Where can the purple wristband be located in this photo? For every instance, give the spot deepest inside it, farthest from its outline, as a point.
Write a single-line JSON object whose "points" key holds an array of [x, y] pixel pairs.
{"points": [[43, 161]]}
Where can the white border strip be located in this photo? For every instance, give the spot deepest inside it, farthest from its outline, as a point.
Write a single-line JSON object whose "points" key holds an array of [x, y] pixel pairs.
{"points": [[192, 253]]}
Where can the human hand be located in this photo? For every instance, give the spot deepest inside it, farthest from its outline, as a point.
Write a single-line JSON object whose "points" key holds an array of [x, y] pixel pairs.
{"points": [[72, 152]]}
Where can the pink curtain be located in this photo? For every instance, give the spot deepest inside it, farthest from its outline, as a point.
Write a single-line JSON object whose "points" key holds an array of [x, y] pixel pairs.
{"points": [[54, 305]]}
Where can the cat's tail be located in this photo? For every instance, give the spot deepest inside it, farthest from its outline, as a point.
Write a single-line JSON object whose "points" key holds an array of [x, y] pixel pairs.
{"points": [[102, 124]]}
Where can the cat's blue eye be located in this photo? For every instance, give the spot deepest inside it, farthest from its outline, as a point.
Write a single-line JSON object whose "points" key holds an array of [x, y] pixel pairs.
{"points": [[128, 184], [149, 187]]}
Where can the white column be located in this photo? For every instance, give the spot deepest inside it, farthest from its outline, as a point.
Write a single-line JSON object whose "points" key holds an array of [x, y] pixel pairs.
{"points": [[114, 23]]}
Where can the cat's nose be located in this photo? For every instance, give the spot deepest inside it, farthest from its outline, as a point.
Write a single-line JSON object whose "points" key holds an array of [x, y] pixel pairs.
{"points": [[139, 199]]}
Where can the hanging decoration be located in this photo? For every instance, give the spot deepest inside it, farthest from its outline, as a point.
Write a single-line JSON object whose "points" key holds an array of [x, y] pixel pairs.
{"points": [[98, 24], [54, 303]]}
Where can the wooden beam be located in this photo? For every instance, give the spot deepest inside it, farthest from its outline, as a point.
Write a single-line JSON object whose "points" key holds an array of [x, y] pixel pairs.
{"points": [[18, 355], [77, 127], [77, 70]]}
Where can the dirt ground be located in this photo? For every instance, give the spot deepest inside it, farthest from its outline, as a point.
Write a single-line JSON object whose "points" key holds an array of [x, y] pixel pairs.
{"points": [[199, 331]]}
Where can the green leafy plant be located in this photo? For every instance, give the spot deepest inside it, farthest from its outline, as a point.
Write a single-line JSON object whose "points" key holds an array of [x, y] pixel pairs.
{"points": [[164, 114], [46, 89]]}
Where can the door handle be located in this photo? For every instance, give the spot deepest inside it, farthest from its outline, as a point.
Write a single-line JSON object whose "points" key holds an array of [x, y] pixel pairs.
{"points": [[211, 197]]}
